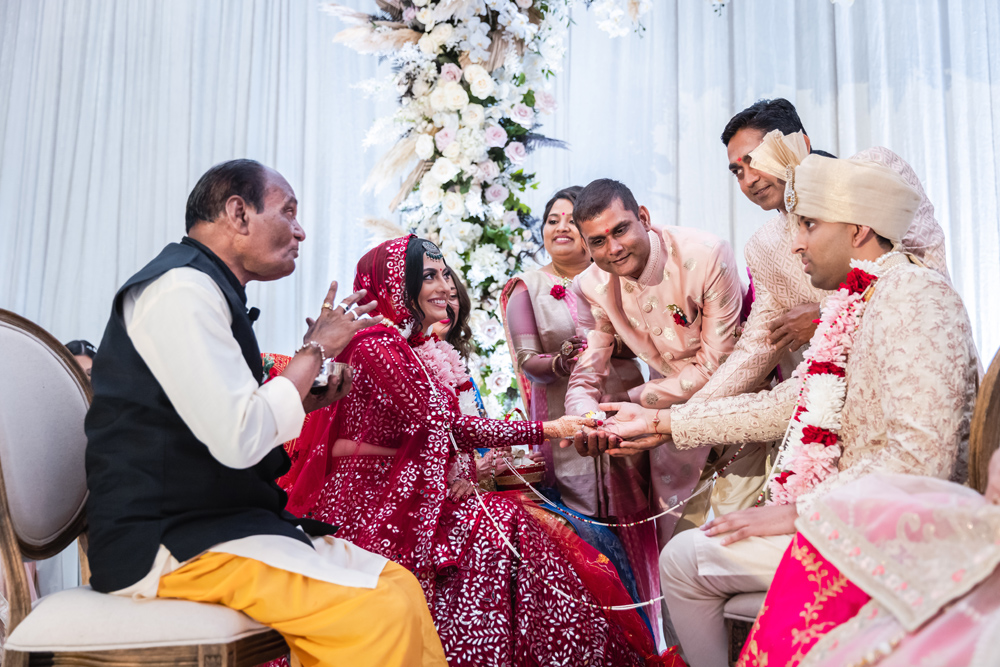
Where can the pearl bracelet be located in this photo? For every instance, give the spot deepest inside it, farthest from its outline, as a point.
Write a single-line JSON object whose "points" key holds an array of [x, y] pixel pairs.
{"points": [[318, 346]]}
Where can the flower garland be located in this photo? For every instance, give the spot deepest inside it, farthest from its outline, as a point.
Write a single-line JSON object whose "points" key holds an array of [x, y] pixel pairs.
{"points": [[812, 444], [473, 78], [443, 361]]}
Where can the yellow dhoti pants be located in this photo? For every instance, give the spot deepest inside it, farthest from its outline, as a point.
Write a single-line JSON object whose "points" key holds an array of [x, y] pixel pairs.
{"points": [[323, 623]]}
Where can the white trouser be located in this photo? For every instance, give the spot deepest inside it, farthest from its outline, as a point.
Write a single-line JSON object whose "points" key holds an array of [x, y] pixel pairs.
{"points": [[699, 575]]}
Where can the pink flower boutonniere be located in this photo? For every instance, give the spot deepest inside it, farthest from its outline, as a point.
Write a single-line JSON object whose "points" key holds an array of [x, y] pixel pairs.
{"points": [[558, 292], [679, 317]]}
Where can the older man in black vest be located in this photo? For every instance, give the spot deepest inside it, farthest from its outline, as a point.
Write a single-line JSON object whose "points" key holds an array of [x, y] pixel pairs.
{"points": [[184, 443]]}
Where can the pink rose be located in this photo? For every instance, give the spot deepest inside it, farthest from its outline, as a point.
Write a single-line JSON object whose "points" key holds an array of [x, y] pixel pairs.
{"points": [[409, 14], [496, 192], [496, 136], [451, 72], [515, 152], [444, 137], [488, 170], [522, 115], [511, 220], [545, 101]]}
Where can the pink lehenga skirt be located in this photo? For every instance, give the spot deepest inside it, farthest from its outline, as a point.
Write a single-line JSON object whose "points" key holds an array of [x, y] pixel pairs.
{"points": [[490, 606]]}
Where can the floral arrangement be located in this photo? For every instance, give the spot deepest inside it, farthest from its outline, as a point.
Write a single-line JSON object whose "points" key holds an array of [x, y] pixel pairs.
{"points": [[473, 78], [812, 445]]}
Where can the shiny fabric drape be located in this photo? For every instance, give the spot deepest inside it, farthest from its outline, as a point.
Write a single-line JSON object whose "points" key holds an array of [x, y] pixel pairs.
{"points": [[114, 108]]}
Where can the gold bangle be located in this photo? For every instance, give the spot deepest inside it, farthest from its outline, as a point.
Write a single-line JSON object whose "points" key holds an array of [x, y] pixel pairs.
{"points": [[555, 360]]}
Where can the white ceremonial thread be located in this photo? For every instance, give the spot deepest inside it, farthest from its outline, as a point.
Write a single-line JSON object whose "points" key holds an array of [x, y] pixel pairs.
{"points": [[572, 598], [665, 512]]}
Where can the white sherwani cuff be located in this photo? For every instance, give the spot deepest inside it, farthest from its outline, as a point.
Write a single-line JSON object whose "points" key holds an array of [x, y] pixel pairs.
{"points": [[286, 405]]}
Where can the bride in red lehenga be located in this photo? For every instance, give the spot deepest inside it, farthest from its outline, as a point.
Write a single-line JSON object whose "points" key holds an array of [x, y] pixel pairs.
{"points": [[379, 464]]}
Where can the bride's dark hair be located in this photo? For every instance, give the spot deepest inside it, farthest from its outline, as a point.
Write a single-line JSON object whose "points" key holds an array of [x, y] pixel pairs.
{"points": [[460, 333]]}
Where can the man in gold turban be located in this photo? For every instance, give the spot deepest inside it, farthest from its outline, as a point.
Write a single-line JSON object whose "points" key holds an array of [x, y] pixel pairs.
{"points": [[887, 386]]}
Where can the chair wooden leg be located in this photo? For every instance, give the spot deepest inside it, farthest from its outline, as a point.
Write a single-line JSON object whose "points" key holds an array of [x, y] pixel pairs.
{"points": [[737, 632], [15, 659]]}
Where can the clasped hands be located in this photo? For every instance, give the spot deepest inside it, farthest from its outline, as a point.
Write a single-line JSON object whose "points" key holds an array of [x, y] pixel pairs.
{"points": [[631, 430]]}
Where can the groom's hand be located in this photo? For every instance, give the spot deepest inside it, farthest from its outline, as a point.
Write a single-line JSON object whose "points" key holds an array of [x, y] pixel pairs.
{"points": [[754, 521]]}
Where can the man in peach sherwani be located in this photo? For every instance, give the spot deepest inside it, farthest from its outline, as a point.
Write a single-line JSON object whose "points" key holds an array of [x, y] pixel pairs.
{"points": [[673, 296], [785, 302]]}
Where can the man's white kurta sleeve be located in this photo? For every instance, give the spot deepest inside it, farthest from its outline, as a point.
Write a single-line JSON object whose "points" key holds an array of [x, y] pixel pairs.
{"points": [[180, 325]]}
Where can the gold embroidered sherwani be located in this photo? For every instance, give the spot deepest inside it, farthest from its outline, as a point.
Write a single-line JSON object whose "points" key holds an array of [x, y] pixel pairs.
{"points": [[693, 271], [911, 383], [780, 284]]}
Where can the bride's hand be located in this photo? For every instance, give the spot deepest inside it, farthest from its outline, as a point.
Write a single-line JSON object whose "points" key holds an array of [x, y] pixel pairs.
{"points": [[568, 426], [631, 420]]}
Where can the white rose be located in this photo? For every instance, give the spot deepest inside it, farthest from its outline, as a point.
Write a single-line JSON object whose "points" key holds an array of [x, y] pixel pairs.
{"points": [[419, 3], [480, 82], [428, 45], [426, 16], [453, 205], [453, 151], [444, 170], [439, 99], [425, 146], [473, 115], [455, 97], [442, 32], [431, 193]]}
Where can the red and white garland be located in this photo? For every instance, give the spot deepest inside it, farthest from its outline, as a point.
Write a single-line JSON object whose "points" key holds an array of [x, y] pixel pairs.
{"points": [[812, 445]]}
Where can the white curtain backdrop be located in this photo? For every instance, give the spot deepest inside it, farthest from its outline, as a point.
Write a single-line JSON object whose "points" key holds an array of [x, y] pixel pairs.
{"points": [[113, 108]]}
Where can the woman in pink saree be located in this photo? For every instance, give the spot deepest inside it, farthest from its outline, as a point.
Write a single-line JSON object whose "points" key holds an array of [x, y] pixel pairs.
{"points": [[503, 587], [894, 570]]}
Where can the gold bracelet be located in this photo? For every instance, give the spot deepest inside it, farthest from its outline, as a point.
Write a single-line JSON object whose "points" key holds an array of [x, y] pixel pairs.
{"points": [[555, 360]]}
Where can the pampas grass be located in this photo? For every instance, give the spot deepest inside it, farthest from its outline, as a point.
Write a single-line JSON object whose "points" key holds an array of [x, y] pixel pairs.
{"points": [[393, 162]]}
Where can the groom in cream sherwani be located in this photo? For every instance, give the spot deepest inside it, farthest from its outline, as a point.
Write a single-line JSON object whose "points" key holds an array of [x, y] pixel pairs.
{"points": [[910, 375]]}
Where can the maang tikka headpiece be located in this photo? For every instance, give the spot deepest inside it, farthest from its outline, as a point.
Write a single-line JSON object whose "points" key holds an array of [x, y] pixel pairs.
{"points": [[432, 251]]}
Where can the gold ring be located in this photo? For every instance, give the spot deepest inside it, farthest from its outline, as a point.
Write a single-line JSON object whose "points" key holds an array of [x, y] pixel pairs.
{"points": [[328, 305], [566, 349]]}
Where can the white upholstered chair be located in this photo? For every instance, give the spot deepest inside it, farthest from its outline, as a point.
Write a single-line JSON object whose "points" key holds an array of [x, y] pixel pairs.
{"points": [[43, 399]]}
